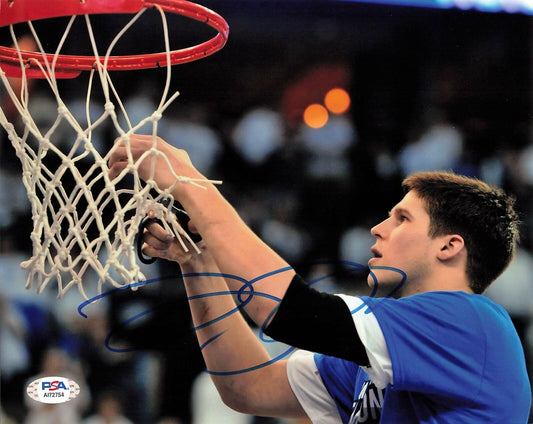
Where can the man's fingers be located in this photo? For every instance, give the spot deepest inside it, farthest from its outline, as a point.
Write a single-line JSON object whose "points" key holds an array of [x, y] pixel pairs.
{"points": [[172, 250], [117, 162], [116, 168], [192, 227], [156, 242], [152, 252], [119, 158], [157, 230]]}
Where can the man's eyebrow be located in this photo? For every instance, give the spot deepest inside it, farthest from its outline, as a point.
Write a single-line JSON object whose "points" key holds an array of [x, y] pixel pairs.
{"points": [[398, 210]]}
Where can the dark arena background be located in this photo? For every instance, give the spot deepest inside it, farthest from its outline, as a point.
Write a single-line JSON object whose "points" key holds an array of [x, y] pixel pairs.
{"points": [[447, 85]]}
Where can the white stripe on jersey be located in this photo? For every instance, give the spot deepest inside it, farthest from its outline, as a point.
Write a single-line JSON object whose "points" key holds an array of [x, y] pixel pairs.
{"points": [[380, 370], [308, 387]]}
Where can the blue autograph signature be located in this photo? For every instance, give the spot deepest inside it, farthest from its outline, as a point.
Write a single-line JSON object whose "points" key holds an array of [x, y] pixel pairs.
{"points": [[244, 295]]}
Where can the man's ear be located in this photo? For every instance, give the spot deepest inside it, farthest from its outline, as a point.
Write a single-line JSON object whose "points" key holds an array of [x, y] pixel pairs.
{"points": [[452, 245]]}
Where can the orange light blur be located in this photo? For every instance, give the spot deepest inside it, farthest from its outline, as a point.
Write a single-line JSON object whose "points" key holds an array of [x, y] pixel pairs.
{"points": [[316, 116], [337, 101]]}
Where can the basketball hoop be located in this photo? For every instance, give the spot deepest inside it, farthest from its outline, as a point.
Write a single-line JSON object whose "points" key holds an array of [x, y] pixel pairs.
{"points": [[65, 247], [17, 11]]}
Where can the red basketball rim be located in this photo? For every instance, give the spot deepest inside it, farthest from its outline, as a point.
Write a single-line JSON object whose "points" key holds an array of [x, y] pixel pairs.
{"points": [[70, 66]]}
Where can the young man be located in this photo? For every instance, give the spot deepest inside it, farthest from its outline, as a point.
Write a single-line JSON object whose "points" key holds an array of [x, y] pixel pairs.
{"points": [[430, 349]]}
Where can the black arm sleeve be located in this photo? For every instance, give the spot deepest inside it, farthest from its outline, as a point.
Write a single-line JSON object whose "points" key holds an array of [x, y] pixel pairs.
{"points": [[318, 322]]}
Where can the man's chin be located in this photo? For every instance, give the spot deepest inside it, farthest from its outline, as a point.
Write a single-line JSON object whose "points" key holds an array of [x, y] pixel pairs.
{"points": [[383, 285]]}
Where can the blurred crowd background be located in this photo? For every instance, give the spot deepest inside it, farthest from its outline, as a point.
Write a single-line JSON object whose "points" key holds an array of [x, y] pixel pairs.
{"points": [[429, 89]]}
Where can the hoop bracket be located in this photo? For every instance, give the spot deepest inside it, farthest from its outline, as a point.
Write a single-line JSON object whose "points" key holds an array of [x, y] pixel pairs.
{"points": [[70, 66]]}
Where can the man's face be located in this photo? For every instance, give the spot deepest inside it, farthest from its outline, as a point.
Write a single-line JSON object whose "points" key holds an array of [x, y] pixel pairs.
{"points": [[403, 253]]}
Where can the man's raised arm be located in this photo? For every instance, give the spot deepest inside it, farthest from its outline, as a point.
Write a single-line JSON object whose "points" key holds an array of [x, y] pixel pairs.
{"points": [[239, 365], [236, 250]]}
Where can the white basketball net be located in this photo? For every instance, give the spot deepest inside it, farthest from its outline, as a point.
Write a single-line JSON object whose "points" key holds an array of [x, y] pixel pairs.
{"points": [[63, 251]]}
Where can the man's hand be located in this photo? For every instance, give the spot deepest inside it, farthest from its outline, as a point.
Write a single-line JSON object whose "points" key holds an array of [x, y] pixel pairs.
{"points": [[161, 163], [158, 243]]}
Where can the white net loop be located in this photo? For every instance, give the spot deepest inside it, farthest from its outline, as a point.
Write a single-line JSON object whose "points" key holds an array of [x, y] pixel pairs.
{"points": [[92, 225]]}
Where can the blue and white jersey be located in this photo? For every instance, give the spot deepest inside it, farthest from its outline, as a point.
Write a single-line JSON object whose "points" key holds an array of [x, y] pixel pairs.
{"points": [[436, 358]]}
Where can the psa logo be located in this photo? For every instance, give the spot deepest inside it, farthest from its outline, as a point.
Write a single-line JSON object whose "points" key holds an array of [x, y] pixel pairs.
{"points": [[53, 389]]}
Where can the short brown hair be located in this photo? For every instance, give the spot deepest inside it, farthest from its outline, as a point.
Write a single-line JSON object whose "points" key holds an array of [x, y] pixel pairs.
{"points": [[483, 215]]}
